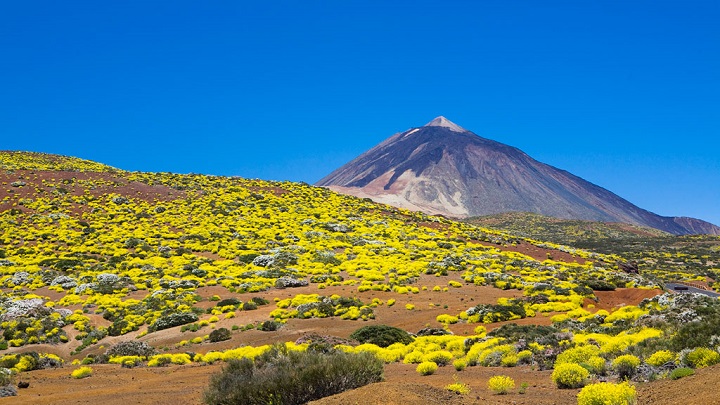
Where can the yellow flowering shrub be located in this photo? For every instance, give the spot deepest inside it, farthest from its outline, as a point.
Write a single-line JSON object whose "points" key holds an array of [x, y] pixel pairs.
{"points": [[81, 372], [501, 384], [660, 357], [607, 393], [569, 375], [458, 388], [426, 368], [702, 357]]}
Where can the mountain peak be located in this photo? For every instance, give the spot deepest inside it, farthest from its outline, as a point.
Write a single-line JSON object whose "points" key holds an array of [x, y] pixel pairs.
{"points": [[445, 123], [465, 175]]}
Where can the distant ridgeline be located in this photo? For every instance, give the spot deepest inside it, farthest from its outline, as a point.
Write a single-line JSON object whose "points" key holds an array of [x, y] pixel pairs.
{"points": [[12, 160]]}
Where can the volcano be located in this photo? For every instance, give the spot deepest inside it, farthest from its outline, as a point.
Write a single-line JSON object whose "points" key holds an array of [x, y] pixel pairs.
{"points": [[442, 168]]}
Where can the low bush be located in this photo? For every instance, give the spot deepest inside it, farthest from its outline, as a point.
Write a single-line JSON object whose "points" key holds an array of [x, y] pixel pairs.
{"points": [[290, 377], [698, 333], [249, 306], [269, 326], [219, 335], [681, 372], [426, 368], [600, 285], [531, 333], [626, 365], [458, 388], [433, 332], [660, 357], [259, 301], [702, 357], [381, 335], [6, 376], [172, 320], [440, 357], [131, 348], [21, 362], [501, 384], [595, 365], [81, 372], [570, 375], [228, 301], [607, 393]]}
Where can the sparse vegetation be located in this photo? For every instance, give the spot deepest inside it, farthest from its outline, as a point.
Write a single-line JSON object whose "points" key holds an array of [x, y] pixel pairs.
{"points": [[314, 375]]}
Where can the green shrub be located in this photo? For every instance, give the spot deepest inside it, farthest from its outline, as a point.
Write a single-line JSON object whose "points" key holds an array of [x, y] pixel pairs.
{"points": [[696, 334], [259, 301], [600, 285], [131, 348], [249, 306], [381, 335], [290, 377], [426, 368], [531, 333], [270, 326], [248, 257], [626, 365], [607, 393], [173, 320], [570, 375], [681, 372], [501, 384], [218, 335], [6, 376], [228, 301]]}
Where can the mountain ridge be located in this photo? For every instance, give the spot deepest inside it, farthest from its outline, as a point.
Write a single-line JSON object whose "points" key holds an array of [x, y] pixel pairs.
{"points": [[439, 170]]}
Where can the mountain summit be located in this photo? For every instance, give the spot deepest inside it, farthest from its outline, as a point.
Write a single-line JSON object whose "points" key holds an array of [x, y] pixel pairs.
{"points": [[445, 123], [441, 168]]}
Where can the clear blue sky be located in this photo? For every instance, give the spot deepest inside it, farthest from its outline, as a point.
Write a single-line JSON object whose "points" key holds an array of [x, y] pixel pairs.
{"points": [[625, 94]]}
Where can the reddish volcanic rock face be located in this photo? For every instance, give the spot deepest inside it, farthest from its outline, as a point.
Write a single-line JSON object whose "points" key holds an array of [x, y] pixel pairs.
{"points": [[441, 168]]}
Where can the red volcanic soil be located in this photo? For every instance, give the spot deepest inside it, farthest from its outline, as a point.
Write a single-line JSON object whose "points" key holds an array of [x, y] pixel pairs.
{"points": [[76, 184], [541, 254], [610, 300], [111, 384]]}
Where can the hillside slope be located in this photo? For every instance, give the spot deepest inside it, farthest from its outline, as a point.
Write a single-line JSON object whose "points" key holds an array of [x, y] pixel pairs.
{"points": [[152, 279], [650, 249]]}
